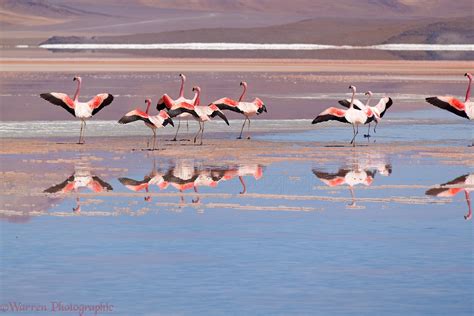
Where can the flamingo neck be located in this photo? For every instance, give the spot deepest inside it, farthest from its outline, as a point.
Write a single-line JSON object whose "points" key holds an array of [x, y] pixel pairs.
{"points": [[76, 95], [352, 100], [243, 93], [181, 90], [368, 100], [468, 92], [197, 99], [148, 107]]}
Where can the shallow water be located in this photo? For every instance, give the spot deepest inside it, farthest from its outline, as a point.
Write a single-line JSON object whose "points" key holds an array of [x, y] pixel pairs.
{"points": [[259, 236]]}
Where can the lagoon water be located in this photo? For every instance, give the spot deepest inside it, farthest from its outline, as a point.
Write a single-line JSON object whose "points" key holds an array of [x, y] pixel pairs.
{"points": [[216, 237]]}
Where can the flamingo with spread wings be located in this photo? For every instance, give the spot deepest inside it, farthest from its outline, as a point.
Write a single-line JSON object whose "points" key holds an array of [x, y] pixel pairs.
{"points": [[162, 105], [248, 109], [81, 110], [352, 115], [152, 121], [378, 111], [449, 103]]}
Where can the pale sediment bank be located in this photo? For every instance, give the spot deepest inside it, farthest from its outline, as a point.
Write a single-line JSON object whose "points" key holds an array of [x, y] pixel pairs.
{"points": [[82, 65]]}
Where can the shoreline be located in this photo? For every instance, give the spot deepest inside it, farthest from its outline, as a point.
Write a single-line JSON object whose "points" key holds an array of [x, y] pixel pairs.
{"points": [[81, 65]]}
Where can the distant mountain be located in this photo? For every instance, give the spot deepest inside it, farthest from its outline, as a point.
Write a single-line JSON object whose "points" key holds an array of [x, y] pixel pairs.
{"points": [[324, 8], [315, 31]]}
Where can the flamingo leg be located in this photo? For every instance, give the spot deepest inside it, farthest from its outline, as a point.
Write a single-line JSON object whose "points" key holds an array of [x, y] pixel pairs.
{"points": [[355, 134], [197, 134], [244, 188], [468, 216], [154, 139], [248, 129], [353, 197], [202, 132], [368, 132], [376, 123], [177, 130], [242, 130], [187, 126], [83, 132], [195, 201], [80, 133]]}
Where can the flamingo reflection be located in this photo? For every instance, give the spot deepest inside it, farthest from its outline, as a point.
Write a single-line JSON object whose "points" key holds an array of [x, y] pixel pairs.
{"points": [[153, 178], [464, 183], [186, 175], [81, 178], [349, 177]]}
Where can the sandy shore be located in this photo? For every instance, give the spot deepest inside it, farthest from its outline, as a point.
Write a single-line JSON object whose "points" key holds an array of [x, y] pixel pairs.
{"points": [[81, 65]]}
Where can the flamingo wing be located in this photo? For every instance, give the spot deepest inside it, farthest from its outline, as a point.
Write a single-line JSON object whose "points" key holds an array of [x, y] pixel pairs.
{"points": [[357, 104], [228, 104], [63, 187], [161, 105], [135, 185], [60, 99], [135, 115], [331, 114], [100, 184], [331, 179], [100, 101], [442, 191], [181, 110], [384, 104], [221, 115], [450, 104]]}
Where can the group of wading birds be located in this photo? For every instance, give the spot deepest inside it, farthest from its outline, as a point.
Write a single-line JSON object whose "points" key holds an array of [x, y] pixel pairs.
{"points": [[355, 113]]}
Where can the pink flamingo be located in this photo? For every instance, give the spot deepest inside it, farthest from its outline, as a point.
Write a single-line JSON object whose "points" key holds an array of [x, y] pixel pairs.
{"points": [[152, 121], [81, 110], [463, 183], [378, 111], [449, 103], [161, 105], [205, 113], [200, 113], [351, 115], [248, 109]]}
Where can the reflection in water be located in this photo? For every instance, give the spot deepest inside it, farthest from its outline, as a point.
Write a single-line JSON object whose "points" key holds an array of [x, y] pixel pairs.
{"points": [[463, 183], [185, 175], [153, 178], [81, 178], [362, 171]]}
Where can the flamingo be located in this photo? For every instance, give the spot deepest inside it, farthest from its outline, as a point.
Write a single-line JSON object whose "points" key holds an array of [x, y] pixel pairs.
{"points": [[161, 105], [350, 177], [378, 111], [449, 103], [351, 115], [152, 121], [463, 183], [81, 110], [248, 109], [81, 178], [200, 113]]}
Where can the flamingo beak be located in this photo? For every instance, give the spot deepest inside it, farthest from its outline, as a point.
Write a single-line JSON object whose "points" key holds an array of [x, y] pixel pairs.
{"points": [[74, 79]]}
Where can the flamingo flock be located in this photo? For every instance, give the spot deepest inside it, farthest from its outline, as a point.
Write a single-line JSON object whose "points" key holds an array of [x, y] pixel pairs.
{"points": [[355, 112]]}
